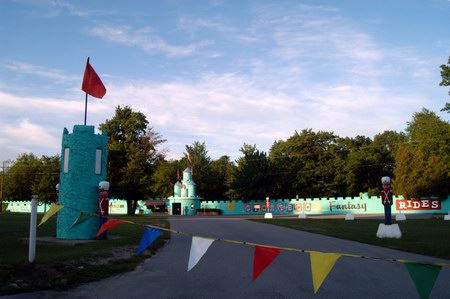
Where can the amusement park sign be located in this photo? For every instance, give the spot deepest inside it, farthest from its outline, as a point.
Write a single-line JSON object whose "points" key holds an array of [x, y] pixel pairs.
{"points": [[418, 204]]}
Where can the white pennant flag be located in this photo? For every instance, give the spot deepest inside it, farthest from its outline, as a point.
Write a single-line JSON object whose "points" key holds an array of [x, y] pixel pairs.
{"points": [[199, 247]]}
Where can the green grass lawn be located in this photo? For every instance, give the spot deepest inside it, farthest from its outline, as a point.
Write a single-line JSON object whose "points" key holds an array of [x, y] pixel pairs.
{"points": [[59, 266], [429, 237]]}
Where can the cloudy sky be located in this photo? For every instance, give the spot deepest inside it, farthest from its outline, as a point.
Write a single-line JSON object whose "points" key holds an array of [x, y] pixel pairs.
{"points": [[220, 72]]}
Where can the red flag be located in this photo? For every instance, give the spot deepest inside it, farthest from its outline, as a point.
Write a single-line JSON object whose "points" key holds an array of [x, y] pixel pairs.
{"points": [[92, 83], [263, 257], [189, 158], [108, 225]]}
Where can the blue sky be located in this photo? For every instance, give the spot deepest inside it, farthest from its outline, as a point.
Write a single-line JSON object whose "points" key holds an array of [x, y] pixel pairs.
{"points": [[220, 72]]}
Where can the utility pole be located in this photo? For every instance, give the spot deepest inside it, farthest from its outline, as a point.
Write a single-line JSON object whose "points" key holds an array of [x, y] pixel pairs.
{"points": [[4, 163]]}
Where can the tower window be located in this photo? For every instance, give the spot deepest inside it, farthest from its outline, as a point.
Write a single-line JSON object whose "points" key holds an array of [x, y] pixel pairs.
{"points": [[98, 161], [66, 160]]}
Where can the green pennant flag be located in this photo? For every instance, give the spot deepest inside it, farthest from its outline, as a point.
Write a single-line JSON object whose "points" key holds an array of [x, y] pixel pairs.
{"points": [[424, 277], [82, 218]]}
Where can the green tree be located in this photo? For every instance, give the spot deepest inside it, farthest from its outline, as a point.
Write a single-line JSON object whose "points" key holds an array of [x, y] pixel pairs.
{"points": [[46, 179], [201, 167], [445, 74], [251, 178], [21, 176], [322, 159], [428, 133], [423, 161], [416, 175], [386, 145], [132, 155], [164, 177], [367, 161], [357, 170], [220, 179], [285, 163]]}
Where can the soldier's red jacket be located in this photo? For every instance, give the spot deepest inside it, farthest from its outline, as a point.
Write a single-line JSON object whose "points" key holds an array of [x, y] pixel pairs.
{"points": [[386, 195], [103, 204]]}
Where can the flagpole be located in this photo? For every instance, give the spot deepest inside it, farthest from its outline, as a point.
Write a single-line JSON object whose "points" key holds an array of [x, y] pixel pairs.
{"points": [[85, 103], [85, 109]]}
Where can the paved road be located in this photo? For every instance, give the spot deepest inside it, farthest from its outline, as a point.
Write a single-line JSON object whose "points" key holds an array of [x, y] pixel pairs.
{"points": [[225, 271]]}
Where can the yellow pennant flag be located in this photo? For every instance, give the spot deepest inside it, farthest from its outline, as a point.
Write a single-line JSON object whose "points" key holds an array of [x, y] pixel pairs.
{"points": [[52, 211], [321, 265]]}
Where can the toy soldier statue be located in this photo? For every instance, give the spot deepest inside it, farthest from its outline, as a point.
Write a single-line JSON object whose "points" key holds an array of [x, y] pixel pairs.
{"points": [[386, 199], [103, 206]]}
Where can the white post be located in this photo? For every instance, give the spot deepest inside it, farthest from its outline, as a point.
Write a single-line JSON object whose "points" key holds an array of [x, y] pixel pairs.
{"points": [[33, 217]]}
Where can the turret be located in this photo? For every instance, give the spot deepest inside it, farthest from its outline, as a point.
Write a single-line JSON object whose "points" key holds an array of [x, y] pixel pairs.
{"points": [[177, 189], [83, 167]]}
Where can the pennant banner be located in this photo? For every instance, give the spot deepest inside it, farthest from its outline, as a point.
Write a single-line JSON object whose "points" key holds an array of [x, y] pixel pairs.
{"points": [[199, 246], [424, 277], [111, 223], [263, 257], [150, 235], [54, 208], [321, 265], [82, 218]]}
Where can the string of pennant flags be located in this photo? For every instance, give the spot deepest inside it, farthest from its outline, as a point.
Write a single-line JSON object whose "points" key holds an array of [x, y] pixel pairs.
{"points": [[423, 274]]}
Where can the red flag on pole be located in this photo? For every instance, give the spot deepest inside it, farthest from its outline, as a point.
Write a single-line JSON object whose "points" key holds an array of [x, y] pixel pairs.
{"points": [[91, 83]]}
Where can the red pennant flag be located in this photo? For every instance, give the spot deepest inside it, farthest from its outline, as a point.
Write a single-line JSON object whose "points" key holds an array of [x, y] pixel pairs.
{"points": [[92, 83], [111, 223], [189, 159], [263, 257]]}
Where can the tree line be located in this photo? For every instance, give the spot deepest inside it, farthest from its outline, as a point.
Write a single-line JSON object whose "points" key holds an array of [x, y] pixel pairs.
{"points": [[307, 164]]}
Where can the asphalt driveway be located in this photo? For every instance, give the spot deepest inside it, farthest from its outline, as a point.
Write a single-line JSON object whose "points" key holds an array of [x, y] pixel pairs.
{"points": [[225, 271]]}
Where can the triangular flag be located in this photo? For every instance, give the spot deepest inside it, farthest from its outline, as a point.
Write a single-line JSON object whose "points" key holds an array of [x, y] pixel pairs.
{"points": [[424, 277], [54, 208], [321, 265], [82, 218], [150, 235], [111, 223], [263, 257], [199, 246], [92, 83]]}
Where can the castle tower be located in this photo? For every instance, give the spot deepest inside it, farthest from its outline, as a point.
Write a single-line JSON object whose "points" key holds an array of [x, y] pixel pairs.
{"points": [[185, 200], [83, 167]]}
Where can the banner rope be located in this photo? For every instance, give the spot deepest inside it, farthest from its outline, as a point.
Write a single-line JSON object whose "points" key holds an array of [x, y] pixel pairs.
{"points": [[264, 245]]}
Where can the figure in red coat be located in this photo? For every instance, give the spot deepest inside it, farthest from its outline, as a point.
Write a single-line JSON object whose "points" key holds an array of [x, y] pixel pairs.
{"points": [[103, 205], [386, 199]]}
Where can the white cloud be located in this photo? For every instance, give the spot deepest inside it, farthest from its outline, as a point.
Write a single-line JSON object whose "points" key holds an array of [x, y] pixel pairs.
{"points": [[57, 8], [39, 71], [144, 38], [24, 136], [299, 67]]}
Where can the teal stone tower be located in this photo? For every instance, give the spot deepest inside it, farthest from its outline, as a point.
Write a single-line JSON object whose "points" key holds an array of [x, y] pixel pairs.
{"points": [[83, 167]]}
